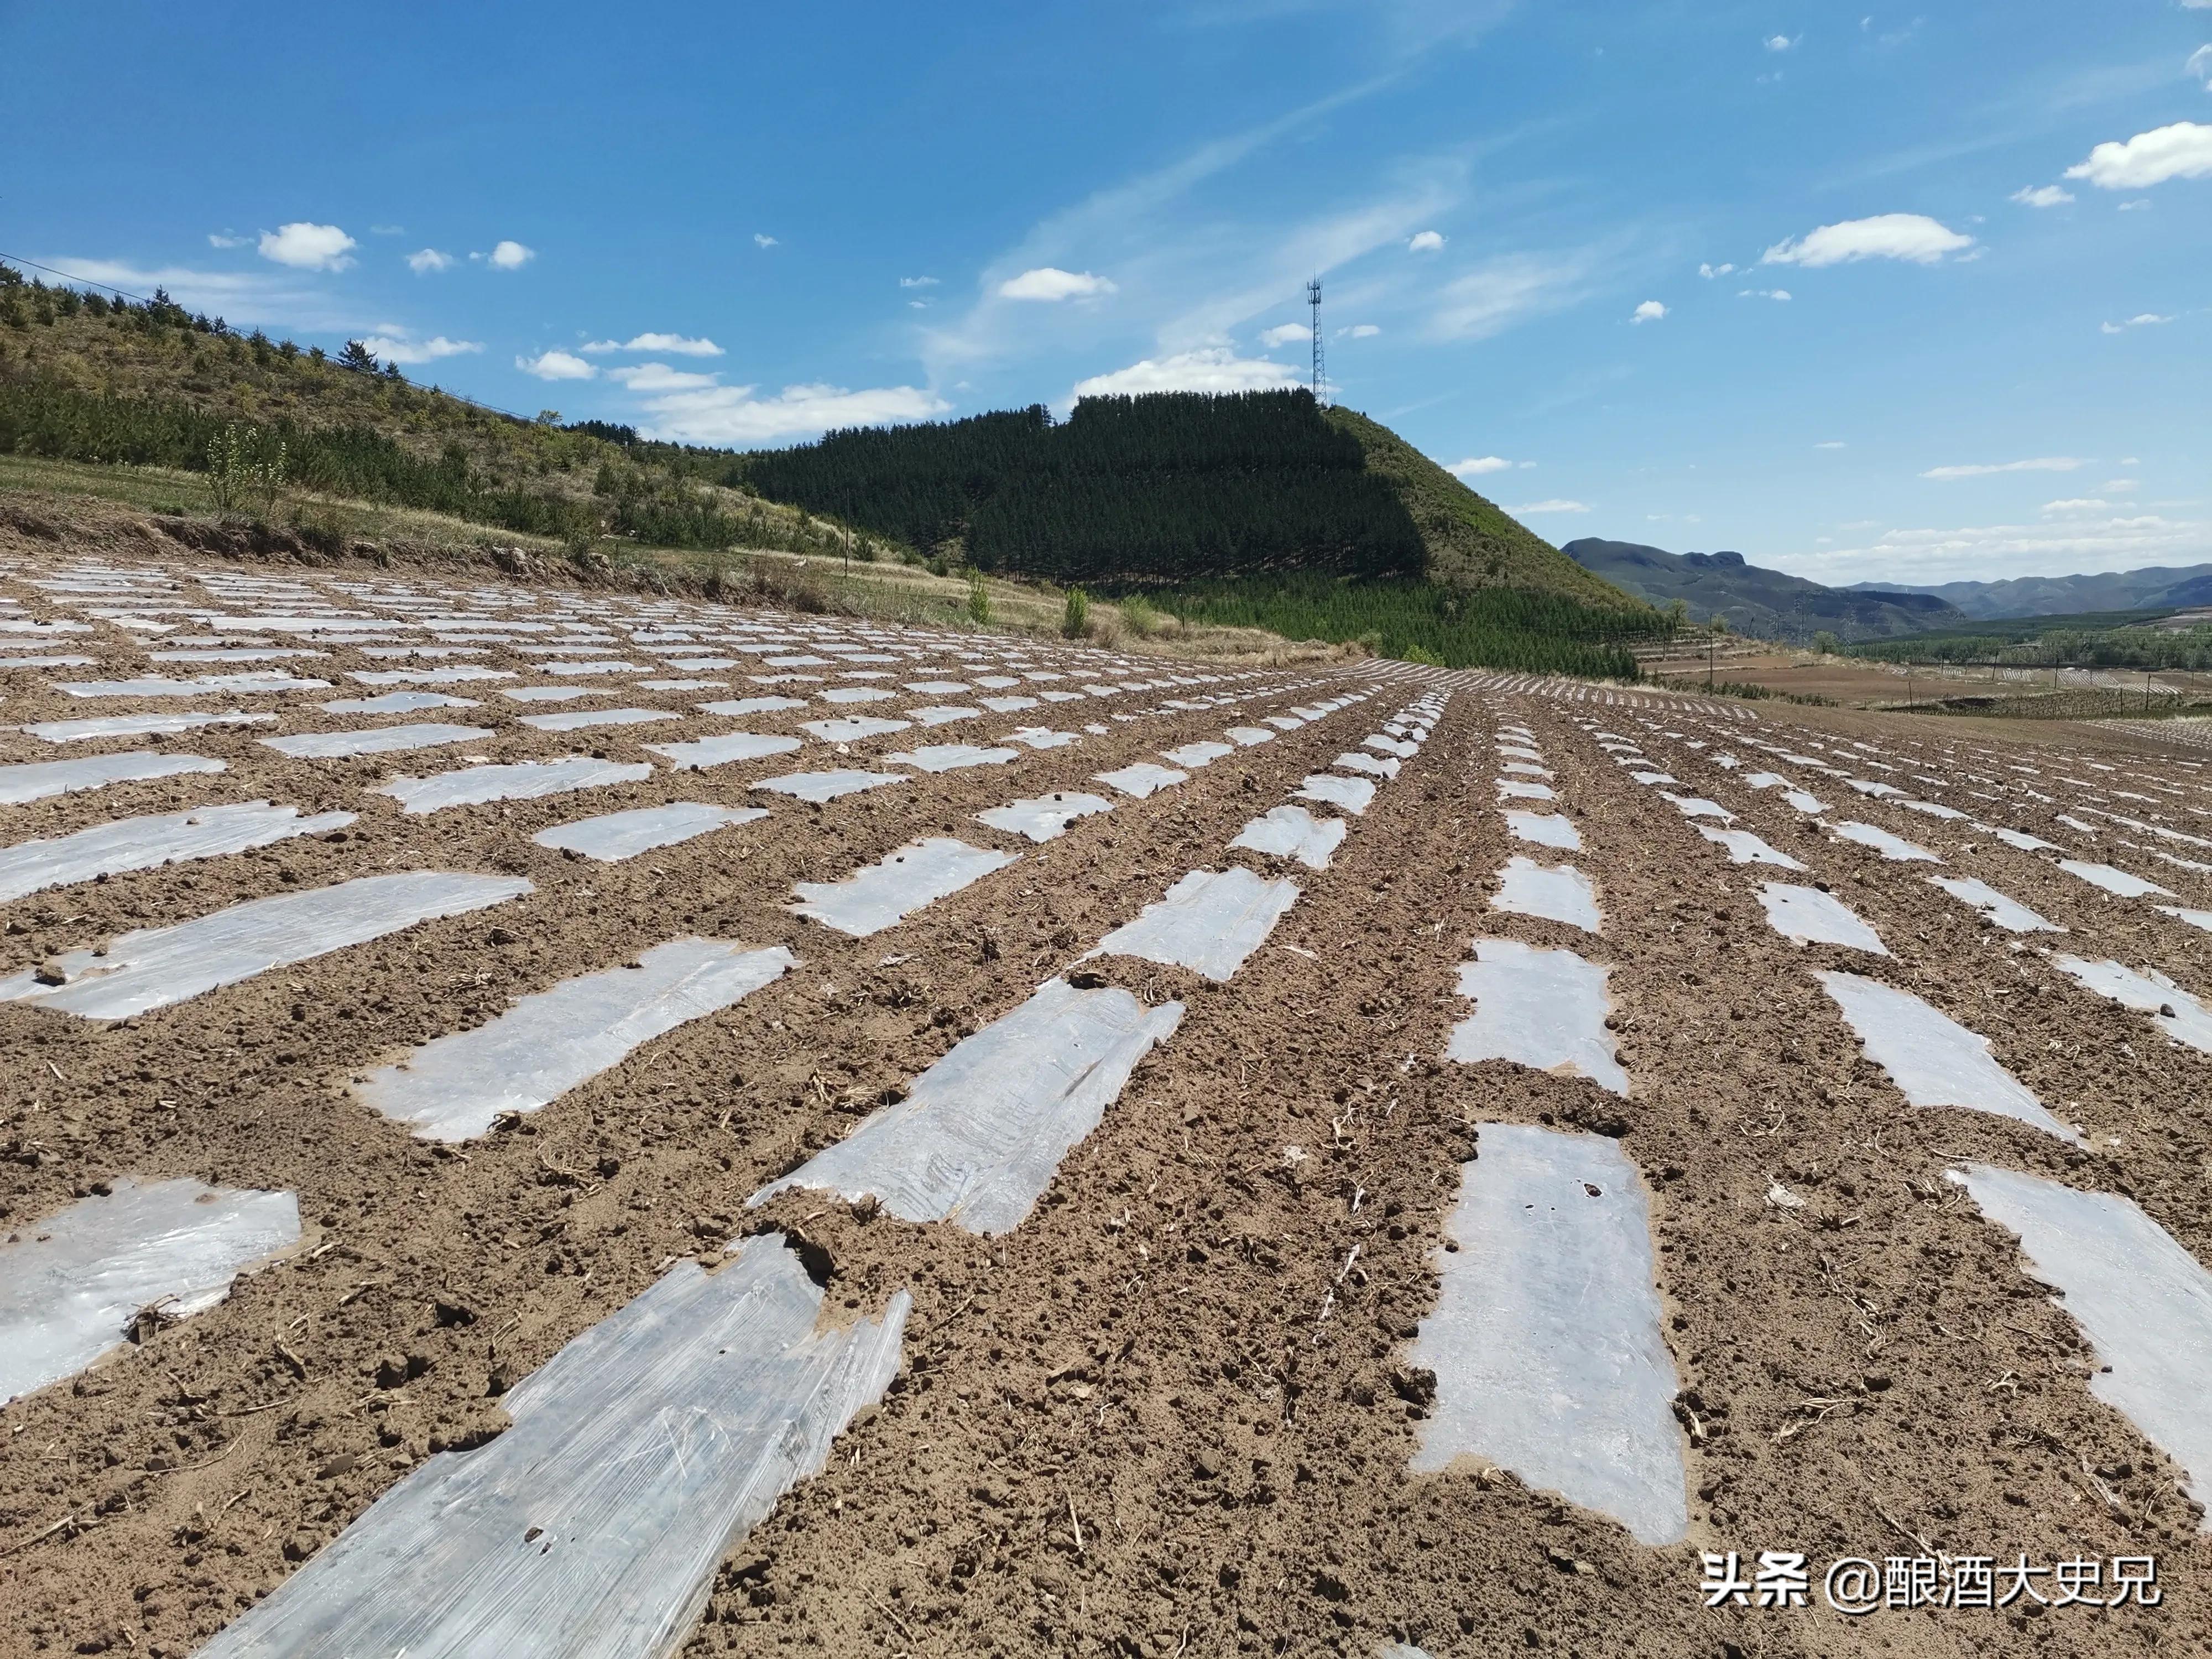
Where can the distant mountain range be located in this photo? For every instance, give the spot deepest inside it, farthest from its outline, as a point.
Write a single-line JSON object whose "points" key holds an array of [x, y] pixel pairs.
{"points": [[1765, 604], [2150, 589]]}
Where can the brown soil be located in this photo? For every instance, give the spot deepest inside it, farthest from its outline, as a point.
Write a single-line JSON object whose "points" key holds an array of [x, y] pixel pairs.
{"points": [[1168, 1415]]}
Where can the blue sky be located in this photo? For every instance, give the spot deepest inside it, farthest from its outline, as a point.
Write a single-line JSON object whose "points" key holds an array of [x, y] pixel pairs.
{"points": [[1556, 239]]}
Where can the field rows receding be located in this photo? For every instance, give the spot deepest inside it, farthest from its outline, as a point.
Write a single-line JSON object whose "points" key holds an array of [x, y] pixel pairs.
{"points": [[751, 1132]]}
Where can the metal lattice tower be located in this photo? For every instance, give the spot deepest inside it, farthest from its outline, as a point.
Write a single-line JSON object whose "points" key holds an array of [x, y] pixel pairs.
{"points": [[1320, 372]]}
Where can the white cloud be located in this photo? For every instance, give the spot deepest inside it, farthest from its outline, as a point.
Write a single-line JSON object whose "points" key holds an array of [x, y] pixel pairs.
{"points": [[511, 256], [246, 298], [2063, 545], [1552, 506], [2040, 464], [2130, 461], [227, 240], [1425, 241], [1049, 282], [1491, 300], [2076, 504], [2131, 207], [731, 415], [2200, 65], [2181, 150], [1360, 331], [423, 261], [1711, 271], [306, 247], [557, 366], [1282, 334], [762, 240], [1762, 293], [1650, 312], [387, 230], [2140, 320], [1780, 42], [2119, 486], [1474, 466], [400, 349], [1912, 236], [917, 282], [658, 377], [680, 345], [1209, 369], [2042, 196], [1831, 444], [917, 305]]}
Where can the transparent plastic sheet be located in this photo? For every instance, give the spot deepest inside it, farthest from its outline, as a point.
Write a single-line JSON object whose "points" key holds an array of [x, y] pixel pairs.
{"points": [[2024, 842], [137, 725], [2006, 912], [879, 894], [1542, 1009], [853, 728], [1192, 757], [614, 836], [737, 708], [1526, 769], [640, 1455], [1813, 917], [1522, 789], [397, 702], [373, 740], [1291, 832], [2118, 882], [1353, 795], [1933, 1059], [841, 694], [2147, 992], [32, 867], [153, 967], [1043, 817], [1040, 737], [829, 785], [950, 757], [1557, 892], [38, 780], [580, 719], [475, 786], [455, 1087], [1373, 766], [722, 748], [1209, 922], [2142, 1300], [69, 1294], [1546, 1338], [941, 715], [1397, 747], [1895, 848], [1744, 848], [979, 1137], [1142, 779], [206, 685], [2200, 920], [1249, 736], [1544, 830], [1697, 807]]}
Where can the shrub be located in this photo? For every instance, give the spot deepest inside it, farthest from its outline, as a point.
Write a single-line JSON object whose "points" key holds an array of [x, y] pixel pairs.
{"points": [[1140, 617], [979, 600], [245, 467], [1075, 615]]}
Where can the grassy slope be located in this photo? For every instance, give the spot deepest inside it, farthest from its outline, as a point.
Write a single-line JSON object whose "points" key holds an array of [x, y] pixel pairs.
{"points": [[1473, 542]]}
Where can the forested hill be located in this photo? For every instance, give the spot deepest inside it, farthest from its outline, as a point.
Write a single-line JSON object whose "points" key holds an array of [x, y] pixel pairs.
{"points": [[1171, 488]]}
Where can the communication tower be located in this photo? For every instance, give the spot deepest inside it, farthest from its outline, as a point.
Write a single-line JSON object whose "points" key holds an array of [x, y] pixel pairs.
{"points": [[1320, 373]]}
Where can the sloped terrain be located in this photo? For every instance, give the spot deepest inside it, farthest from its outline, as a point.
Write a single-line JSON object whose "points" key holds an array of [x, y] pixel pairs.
{"points": [[1767, 604], [540, 1119]]}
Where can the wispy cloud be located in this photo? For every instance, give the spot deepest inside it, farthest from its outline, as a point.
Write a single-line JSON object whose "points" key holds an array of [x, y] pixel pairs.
{"points": [[227, 239], [1910, 236], [2140, 320], [2066, 544], [401, 348], [1217, 369], [1780, 42], [1283, 333], [917, 282], [1507, 291], [681, 345], [2039, 463], [761, 238], [306, 247], [2182, 149], [423, 261], [1762, 293], [1711, 271], [1831, 444], [658, 377], [1360, 331], [2043, 195], [1476, 465], [1530, 509], [244, 297], [732, 415]]}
